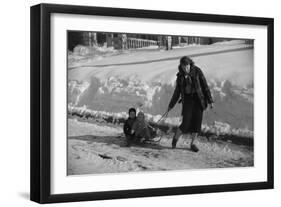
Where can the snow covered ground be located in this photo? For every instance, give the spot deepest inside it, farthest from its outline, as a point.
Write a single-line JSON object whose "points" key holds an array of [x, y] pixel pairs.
{"points": [[95, 148]]}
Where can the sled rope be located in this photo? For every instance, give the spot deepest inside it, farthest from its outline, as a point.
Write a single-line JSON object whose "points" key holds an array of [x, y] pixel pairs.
{"points": [[163, 116]]}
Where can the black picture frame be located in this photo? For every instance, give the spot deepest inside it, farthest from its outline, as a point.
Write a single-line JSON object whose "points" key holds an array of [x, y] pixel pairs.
{"points": [[41, 98]]}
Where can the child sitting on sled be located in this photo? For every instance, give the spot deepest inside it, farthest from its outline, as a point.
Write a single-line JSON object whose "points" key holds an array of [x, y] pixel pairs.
{"points": [[128, 126], [141, 129]]}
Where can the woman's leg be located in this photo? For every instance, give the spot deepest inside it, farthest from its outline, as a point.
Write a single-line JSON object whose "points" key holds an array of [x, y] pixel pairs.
{"points": [[193, 147], [193, 137], [176, 137]]}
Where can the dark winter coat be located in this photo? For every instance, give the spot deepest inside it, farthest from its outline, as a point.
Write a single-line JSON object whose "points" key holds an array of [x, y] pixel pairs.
{"points": [[200, 85], [127, 128]]}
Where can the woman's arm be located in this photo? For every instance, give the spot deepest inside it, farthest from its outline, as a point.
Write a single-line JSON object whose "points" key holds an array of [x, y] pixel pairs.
{"points": [[175, 96], [205, 87]]}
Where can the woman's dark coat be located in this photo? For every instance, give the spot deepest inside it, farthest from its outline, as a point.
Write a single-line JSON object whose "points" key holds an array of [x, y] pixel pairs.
{"points": [[200, 86]]}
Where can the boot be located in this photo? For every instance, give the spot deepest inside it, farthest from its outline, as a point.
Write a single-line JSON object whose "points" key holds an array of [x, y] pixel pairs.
{"points": [[174, 143], [194, 148]]}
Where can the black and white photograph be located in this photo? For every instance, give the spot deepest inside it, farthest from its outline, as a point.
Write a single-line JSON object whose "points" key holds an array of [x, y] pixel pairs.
{"points": [[149, 102]]}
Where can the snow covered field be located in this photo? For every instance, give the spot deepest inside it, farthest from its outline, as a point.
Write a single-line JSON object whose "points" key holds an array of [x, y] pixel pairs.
{"points": [[106, 86]]}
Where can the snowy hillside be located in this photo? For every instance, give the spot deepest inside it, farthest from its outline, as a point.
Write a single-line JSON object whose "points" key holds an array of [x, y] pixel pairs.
{"points": [[145, 78]]}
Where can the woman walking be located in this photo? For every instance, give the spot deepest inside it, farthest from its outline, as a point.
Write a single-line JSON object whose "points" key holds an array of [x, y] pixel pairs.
{"points": [[194, 94]]}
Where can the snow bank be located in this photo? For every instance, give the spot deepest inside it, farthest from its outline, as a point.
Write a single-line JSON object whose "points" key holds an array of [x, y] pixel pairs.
{"points": [[230, 42], [116, 83], [217, 128], [82, 50]]}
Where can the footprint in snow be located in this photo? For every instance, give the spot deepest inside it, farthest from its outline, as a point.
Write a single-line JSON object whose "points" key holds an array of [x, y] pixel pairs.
{"points": [[123, 159]]}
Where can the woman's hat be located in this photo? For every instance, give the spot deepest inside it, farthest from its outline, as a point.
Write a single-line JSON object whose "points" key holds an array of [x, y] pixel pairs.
{"points": [[185, 60]]}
